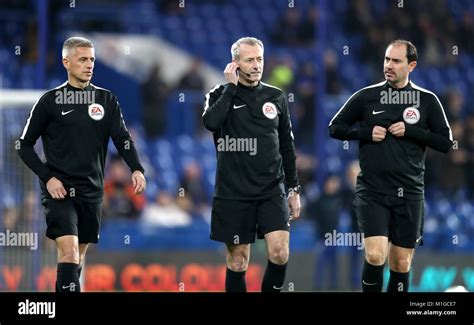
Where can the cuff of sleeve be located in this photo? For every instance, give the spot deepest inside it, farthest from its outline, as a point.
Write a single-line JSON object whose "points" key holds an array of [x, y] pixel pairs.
{"points": [[412, 131], [45, 177], [138, 169], [365, 133], [292, 183]]}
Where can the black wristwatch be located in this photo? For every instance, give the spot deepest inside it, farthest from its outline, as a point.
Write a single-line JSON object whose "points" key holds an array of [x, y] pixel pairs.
{"points": [[296, 189]]}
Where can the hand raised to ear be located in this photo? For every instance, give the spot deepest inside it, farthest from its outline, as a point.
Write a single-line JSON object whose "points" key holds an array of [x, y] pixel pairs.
{"points": [[230, 73]]}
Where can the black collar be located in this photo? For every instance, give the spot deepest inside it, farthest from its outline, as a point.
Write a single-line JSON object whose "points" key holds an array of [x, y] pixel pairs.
{"points": [[71, 87], [250, 88], [407, 87]]}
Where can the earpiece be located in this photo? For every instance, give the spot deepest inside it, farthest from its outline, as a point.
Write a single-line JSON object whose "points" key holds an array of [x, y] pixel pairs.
{"points": [[244, 73]]}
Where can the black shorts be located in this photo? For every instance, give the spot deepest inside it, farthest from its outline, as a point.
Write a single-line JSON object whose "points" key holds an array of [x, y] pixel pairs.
{"points": [[236, 222], [71, 216], [399, 219]]}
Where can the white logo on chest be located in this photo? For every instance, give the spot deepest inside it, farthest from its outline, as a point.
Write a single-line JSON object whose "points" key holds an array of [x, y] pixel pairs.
{"points": [[375, 113], [269, 110], [96, 111], [65, 113], [411, 115]]}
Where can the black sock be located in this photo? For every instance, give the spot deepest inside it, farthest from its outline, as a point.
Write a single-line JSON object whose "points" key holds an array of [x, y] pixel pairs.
{"points": [[372, 277], [274, 277], [67, 278], [398, 282], [79, 270], [235, 281]]}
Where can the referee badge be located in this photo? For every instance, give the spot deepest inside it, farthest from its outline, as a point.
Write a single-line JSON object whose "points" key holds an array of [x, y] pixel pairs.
{"points": [[96, 111], [269, 110], [411, 115]]}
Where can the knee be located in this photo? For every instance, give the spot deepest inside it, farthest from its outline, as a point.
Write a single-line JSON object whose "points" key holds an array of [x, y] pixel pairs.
{"points": [[69, 255], [279, 255], [401, 265], [237, 262], [375, 257]]}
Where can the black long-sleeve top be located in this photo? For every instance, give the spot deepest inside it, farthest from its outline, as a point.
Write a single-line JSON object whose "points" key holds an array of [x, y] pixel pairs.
{"points": [[240, 116], [75, 135], [394, 166]]}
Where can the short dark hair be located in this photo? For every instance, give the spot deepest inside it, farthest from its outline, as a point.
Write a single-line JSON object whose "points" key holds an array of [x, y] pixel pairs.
{"points": [[412, 53]]}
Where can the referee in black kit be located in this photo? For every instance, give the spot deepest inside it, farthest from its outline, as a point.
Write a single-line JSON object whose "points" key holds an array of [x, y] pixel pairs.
{"points": [[255, 160], [75, 122], [398, 120]]}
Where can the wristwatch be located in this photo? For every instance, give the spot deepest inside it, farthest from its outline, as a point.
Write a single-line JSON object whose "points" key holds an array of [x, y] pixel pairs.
{"points": [[296, 189]]}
